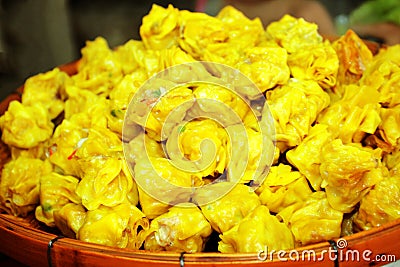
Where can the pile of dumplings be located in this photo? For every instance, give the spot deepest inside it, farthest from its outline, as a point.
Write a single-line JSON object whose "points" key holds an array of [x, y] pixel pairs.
{"points": [[333, 168]]}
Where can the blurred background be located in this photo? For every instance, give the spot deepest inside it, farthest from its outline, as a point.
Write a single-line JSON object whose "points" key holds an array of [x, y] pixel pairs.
{"points": [[37, 35]]}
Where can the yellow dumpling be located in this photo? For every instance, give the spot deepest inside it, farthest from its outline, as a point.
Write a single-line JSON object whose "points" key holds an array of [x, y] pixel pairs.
{"points": [[120, 97], [354, 57], [204, 143], [381, 205], [348, 173], [151, 207], [265, 66], [99, 69], [173, 56], [383, 75], [20, 183], [243, 32], [134, 57], [313, 220], [219, 103], [319, 64], [199, 31], [258, 231], [353, 116], [100, 164], [160, 27], [295, 106], [173, 105], [392, 162], [142, 146], [48, 90], [99, 143], [390, 125], [159, 110], [85, 108], [104, 183], [252, 154], [67, 138], [55, 192], [25, 126], [306, 157], [126, 88], [227, 211], [294, 34], [282, 188], [117, 226], [161, 184], [69, 219], [38, 152], [127, 56], [181, 229]]}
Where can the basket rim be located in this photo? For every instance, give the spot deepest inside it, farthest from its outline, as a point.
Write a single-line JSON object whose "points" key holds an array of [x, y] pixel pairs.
{"points": [[21, 227]]}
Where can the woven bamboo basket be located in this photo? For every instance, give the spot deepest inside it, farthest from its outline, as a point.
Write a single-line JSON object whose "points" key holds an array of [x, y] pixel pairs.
{"points": [[26, 242], [32, 244]]}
